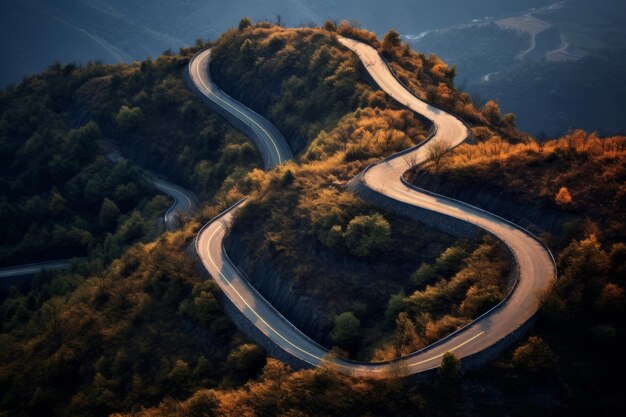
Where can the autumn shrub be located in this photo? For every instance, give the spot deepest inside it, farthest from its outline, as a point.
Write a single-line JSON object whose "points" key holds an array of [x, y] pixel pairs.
{"points": [[367, 234], [534, 356], [99, 336]]}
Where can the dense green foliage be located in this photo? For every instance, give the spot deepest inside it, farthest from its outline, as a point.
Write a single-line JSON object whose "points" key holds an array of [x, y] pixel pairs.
{"points": [[303, 80], [367, 234], [102, 337], [347, 330], [64, 196], [59, 196], [149, 114]]}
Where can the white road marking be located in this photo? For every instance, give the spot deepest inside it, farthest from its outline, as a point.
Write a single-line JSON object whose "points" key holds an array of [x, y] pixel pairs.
{"points": [[197, 70], [227, 281], [449, 350], [248, 305]]}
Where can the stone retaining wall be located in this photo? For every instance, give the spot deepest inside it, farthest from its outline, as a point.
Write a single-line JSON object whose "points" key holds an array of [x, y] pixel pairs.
{"points": [[450, 225]]}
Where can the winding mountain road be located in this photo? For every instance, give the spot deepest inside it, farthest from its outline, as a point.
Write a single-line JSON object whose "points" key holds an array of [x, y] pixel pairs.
{"points": [[535, 264], [184, 201], [270, 142], [31, 269]]}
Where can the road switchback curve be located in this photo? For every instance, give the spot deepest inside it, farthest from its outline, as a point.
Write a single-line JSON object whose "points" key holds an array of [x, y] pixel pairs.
{"points": [[536, 268]]}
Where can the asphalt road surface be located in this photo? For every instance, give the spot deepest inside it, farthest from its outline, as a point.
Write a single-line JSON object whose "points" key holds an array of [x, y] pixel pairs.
{"points": [[535, 264], [270, 142], [184, 201], [32, 269]]}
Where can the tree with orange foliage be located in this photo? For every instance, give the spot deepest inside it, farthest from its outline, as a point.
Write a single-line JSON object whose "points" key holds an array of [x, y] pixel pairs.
{"points": [[563, 198], [534, 356], [244, 24], [391, 41], [491, 110], [611, 299], [444, 92]]}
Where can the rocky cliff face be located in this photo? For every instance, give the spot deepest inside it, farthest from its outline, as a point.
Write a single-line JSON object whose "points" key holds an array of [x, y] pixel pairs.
{"points": [[271, 282]]}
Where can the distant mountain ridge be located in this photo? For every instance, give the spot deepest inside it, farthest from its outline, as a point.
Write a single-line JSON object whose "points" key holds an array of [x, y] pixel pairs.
{"points": [[125, 30], [547, 96], [543, 65]]}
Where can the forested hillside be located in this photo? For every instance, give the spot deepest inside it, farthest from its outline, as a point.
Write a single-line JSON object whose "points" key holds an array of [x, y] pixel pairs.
{"points": [[148, 113], [144, 335], [85, 341], [60, 196], [330, 157], [579, 181], [333, 251], [64, 195], [579, 176], [146, 328]]}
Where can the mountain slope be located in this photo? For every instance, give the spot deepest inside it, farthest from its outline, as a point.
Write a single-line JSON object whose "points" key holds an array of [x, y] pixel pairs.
{"points": [[144, 329]]}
